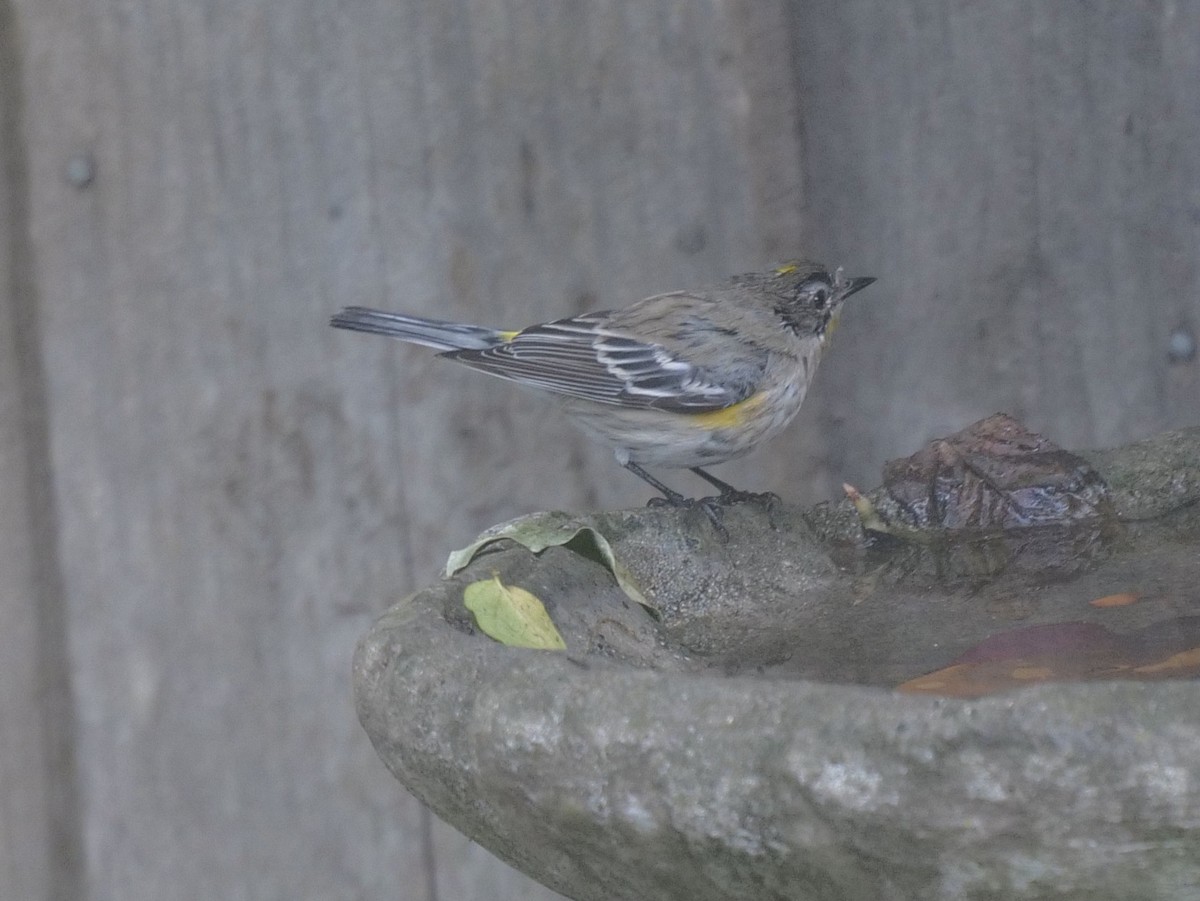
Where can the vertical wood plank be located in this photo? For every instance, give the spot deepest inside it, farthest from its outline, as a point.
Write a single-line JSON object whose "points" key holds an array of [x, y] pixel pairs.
{"points": [[39, 840], [214, 534]]}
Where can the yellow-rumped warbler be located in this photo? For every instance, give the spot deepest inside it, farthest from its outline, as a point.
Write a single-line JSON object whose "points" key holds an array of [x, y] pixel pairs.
{"points": [[683, 379]]}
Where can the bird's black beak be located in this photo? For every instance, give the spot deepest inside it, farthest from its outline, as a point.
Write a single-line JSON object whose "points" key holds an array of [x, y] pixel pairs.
{"points": [[854, 285]]}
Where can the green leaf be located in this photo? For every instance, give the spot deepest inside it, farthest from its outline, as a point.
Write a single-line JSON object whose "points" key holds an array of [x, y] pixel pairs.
{"points": [[538, 531], [512, 615]]}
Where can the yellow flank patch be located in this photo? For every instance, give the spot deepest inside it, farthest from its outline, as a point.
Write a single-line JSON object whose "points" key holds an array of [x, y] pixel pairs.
{"points": [[731, 416], [786, 269], [507, 336]]}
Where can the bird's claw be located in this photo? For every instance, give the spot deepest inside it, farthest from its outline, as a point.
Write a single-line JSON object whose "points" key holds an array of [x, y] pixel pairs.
{"points": [[765, 498], [711, 507]]}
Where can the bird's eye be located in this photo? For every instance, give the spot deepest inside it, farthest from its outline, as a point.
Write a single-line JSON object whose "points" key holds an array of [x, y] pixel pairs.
{"points": [[820, 297]]}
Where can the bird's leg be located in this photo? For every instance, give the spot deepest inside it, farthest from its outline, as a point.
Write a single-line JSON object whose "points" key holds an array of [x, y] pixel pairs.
{"points": [[725, 488], [730, 495], [675, 499]]}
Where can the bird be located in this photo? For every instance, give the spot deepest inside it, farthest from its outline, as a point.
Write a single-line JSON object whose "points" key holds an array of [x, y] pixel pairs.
{"points": [[684, 379]]}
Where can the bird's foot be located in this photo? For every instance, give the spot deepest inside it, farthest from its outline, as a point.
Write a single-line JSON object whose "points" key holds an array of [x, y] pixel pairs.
{"points": [[731, 495], [711, 507], [735, 496]]}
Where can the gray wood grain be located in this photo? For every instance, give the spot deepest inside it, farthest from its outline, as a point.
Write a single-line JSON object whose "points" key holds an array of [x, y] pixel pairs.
{"points": [[1022, 178], [25, 858], [26, 862], [40, 840], [223, 541], [234, 490]]}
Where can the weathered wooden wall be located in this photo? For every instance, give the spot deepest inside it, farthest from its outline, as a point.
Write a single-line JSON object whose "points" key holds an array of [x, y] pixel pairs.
{"points": [[1024, 179], [206, 495]]}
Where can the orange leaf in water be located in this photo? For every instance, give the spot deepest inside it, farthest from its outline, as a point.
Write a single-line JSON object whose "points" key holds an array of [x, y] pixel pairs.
{"points": [[1124, 599], [973, 680], [1066, 652], [1185, 663]]}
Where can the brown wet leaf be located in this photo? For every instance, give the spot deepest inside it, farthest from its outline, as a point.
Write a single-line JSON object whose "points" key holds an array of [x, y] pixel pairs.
{"points": [[994, 474]]}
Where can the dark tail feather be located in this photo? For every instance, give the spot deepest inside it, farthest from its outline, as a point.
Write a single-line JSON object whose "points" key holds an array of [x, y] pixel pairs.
{"points": [[418, 330]]}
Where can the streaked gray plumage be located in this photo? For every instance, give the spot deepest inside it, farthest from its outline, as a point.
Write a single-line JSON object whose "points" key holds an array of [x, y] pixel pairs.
{"points": [[683, 379]]}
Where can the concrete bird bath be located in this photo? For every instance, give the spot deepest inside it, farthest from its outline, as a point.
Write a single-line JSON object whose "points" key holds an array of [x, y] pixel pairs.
{"points": [[748, 741]]}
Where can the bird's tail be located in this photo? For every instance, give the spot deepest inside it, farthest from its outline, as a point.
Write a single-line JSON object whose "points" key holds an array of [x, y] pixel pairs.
{"points": [[418, 330]]}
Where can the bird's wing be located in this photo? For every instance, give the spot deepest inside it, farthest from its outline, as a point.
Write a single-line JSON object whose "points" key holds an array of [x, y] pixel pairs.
{"points": [[587, 357]]}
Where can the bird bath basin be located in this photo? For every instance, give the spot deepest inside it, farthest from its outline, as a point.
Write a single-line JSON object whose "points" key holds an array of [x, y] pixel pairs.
{"points": [[1005, 716]]}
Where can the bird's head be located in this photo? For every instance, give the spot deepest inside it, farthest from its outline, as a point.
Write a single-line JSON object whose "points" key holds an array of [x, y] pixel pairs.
{"points": [[808, 298]]}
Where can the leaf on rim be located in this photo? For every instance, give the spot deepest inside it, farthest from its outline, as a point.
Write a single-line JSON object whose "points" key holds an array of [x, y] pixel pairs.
{"points": [[512, 615], [538, 531]]}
